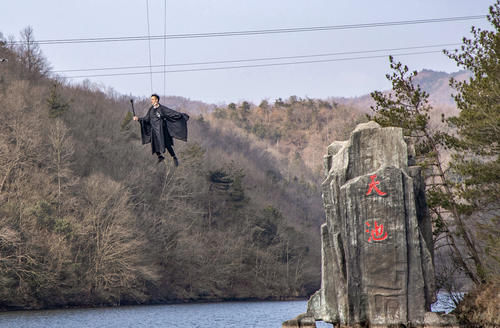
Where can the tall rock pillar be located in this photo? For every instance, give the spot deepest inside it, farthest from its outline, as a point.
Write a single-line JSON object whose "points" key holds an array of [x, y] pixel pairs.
{"points": [[377, 259]]}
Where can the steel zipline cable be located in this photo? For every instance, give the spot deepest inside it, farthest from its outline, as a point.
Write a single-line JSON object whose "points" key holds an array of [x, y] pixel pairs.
{"points": [[149, 46], [259, 59], [255, 65], [254, 32], [165, 49]]}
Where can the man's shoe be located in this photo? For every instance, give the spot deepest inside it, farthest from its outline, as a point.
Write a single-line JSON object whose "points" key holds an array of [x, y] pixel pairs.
{"points": [[176, 161], [160, 158]]}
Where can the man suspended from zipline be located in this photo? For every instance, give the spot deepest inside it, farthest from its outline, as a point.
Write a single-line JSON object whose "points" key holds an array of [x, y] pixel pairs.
{"points": [[160, 125]]}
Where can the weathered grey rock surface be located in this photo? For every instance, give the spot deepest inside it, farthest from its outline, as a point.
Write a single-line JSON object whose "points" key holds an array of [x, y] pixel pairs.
{"points": [[377, 259]]}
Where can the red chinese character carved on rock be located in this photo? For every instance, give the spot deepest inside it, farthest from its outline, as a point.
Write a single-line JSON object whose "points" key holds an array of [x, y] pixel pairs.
{"points": [[377, 233], [373, 185]]}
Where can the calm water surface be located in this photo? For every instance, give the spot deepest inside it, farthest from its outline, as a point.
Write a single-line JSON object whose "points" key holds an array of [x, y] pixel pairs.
{"points": [[209, 315]]}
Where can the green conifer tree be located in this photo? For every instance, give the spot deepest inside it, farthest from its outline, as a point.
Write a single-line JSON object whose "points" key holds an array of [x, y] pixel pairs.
{"points": [[57, 105], [477, 146]]}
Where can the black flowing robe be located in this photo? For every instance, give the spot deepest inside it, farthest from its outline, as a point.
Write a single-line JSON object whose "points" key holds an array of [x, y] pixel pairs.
{"points": [[160, 125]]}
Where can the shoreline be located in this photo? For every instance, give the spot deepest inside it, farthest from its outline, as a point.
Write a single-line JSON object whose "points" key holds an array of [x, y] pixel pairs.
{"points": [[173, 302]]}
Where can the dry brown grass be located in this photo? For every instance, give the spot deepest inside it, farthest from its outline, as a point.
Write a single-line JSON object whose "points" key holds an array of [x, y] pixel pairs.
{"points": [[481, 307]]}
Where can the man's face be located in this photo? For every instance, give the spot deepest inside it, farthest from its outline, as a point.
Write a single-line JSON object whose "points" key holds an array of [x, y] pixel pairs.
{"points": [[154, 101]]}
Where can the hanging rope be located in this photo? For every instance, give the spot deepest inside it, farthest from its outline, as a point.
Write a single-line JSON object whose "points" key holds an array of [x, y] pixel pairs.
{"points": [[149, 44], [165, 51]]}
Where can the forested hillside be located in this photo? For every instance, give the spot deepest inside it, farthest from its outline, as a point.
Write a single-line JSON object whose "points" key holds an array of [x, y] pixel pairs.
{"points": [[298, 129], [87, 216]]}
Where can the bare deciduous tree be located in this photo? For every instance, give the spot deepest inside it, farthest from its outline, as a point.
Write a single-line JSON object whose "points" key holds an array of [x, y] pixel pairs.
{"points": [[31, 56], [112, 248]]}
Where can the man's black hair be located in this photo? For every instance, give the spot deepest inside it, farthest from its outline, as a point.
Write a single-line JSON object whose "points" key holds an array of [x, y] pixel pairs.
{"points": [[155, 95]]}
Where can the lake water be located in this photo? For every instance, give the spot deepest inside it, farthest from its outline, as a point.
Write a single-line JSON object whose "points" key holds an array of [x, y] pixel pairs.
{"points": [[206, 315]]}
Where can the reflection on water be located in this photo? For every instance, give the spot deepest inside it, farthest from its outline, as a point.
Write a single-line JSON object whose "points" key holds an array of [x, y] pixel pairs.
{"points": [[208, 315]]}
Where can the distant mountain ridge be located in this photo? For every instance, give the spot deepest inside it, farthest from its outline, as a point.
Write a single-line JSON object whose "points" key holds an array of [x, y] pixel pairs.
{"points": [[435, 83]]}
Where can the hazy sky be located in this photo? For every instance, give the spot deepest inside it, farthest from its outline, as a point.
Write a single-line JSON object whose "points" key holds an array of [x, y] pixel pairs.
{"points": [[52, 19]]}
